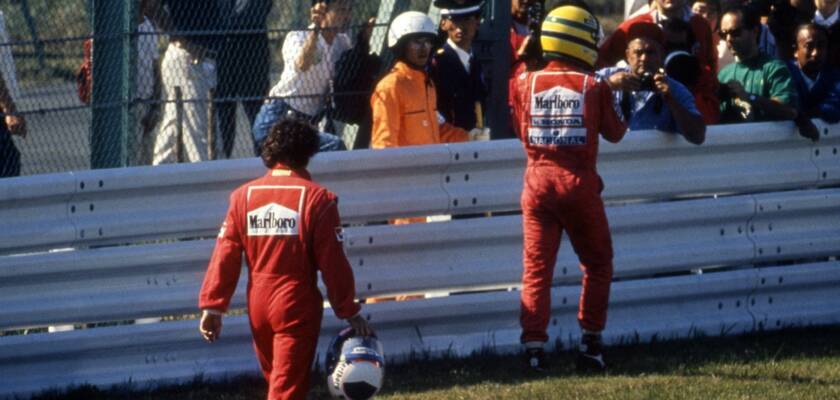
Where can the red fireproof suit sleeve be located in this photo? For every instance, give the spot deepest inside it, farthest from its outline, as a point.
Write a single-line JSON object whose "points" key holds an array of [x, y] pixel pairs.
{"points": [[612, 126], [331, 260], [225, 263]]}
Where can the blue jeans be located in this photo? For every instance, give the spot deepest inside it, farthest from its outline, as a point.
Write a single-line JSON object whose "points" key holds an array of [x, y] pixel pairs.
{"points": [[273, 111]]}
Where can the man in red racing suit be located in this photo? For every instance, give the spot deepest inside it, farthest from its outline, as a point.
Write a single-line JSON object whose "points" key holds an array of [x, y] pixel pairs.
{"points": [[559, 112], [289, 229]]}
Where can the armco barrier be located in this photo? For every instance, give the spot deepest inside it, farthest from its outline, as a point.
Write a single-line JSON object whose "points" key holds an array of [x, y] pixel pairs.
{"points": [[134, 243]]}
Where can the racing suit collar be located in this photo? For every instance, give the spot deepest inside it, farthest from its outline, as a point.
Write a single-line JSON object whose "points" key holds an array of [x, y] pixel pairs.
{"points": [[281, 169]]}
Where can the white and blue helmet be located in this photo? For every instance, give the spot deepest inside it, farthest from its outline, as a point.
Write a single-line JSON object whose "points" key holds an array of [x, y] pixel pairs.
{"points": [[355, 366]]}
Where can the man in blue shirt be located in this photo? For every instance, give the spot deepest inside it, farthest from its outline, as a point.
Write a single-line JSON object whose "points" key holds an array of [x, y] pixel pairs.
{"points": [[816, 81], [647, 98]]}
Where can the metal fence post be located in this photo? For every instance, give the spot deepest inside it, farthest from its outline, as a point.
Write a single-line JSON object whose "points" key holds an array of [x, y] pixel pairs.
{"points": [[33, 31], [113, 53], [498, 112], [179, 125], [211, 121]]}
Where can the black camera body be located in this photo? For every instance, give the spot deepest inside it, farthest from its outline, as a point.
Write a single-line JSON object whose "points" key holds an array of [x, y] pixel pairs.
{"points": [[646, 81], [536, 13]]}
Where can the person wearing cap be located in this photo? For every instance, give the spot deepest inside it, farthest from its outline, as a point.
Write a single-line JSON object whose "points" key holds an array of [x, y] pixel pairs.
{"points": [[461, 88], [404, 102], [646, 96], [289, 230], [559, 113]]}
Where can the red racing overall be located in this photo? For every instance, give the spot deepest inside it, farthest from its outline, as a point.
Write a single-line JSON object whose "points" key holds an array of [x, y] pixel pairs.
{"points": [[288, 228], [558, 113]]}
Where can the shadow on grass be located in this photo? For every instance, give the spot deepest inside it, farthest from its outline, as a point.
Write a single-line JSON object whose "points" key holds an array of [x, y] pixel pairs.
{"points": [[687, 357]]}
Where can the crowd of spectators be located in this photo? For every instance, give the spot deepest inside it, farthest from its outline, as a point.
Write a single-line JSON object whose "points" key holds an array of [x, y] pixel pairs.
{"points": [[674, 65]]}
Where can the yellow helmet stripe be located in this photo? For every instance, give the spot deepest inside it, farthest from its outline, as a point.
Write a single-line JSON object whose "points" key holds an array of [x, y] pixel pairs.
{"points": [[570, 23], [558, 36]]}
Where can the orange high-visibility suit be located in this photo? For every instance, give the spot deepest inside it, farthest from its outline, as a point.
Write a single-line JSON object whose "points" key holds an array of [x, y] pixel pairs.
{"points": [[289, 229], [558, 113], [405, 113]]}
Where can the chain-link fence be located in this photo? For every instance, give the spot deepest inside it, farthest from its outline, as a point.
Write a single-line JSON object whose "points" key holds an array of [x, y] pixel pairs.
{"points": [[200, 74]]}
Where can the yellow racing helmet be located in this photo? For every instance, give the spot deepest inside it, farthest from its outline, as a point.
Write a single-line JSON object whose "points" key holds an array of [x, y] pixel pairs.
{"points": [[571, 32]]}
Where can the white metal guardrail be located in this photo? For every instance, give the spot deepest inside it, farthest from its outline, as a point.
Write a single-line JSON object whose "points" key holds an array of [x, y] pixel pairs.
{"points": [[123, 206], [650, 238], [662, 216]]}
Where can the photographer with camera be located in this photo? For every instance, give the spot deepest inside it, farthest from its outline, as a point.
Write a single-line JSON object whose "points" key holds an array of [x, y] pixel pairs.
{"points": [[524, 34], [647, 97]]}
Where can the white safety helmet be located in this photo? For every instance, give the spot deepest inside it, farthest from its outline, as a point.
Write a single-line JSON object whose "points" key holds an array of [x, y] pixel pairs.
{"points": [[355, 366], [410, 22]]}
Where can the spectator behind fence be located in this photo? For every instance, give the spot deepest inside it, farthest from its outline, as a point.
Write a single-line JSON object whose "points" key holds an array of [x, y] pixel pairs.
{"points": [[710, 11], [189, 66], [357, 72], [11, 124], [309, 59], [614, 47], [456, 72], [828, 16], [404, 102], [785, 16], [147, 91], [526, 15], [817, 82], [648, 98], [243, 65], [559, 112], [684, 67], [766, 40], [757, 87]]}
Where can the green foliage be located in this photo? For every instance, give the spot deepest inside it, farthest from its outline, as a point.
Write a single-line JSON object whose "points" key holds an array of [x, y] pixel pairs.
{"points": [[800, 363]]}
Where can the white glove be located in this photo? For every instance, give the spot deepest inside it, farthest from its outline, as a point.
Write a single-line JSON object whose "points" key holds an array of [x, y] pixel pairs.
{"points": [[479, 134]]}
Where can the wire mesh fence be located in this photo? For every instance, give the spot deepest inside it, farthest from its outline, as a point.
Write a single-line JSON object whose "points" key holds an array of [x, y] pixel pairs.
{"points": [[200, 76]]}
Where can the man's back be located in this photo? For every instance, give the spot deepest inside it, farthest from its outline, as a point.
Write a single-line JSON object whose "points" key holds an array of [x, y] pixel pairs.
{"points": [[559, 112]]}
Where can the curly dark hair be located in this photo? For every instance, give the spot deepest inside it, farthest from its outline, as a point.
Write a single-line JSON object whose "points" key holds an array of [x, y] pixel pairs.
{"points": [[291, 142]]}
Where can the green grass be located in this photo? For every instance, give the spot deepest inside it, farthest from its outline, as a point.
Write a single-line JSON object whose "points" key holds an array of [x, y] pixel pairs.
{"points": [[792, 364]]}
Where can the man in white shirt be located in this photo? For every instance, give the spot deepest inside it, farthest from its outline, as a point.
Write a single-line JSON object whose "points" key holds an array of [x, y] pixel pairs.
{"points": [[147, 87], [309, 59]]}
